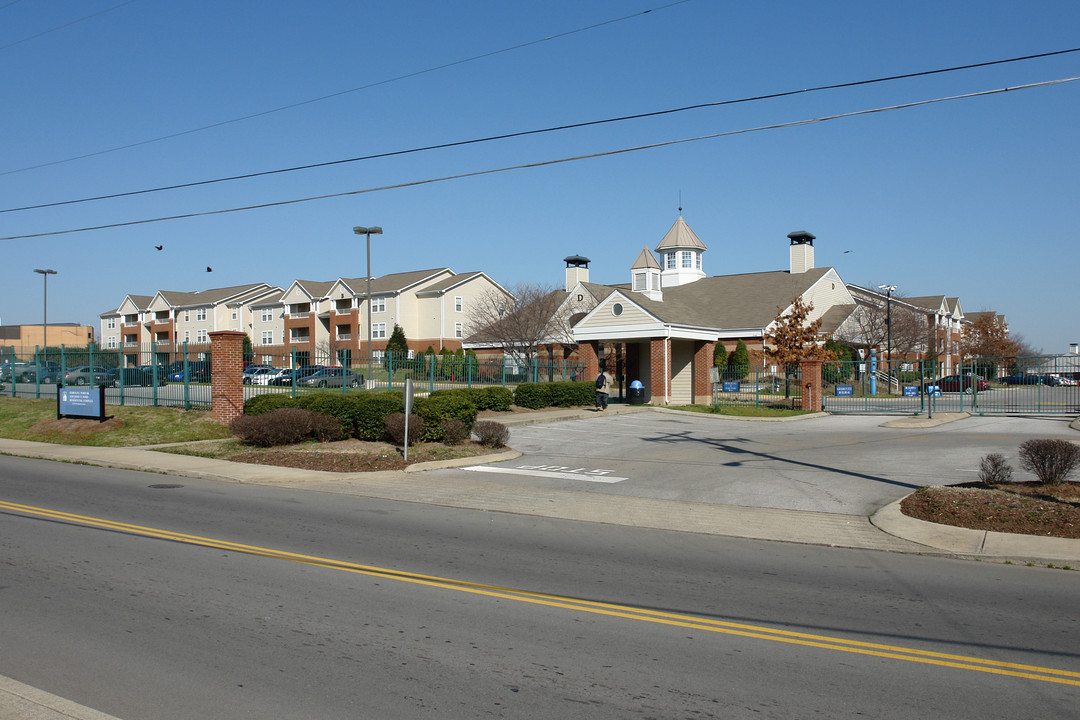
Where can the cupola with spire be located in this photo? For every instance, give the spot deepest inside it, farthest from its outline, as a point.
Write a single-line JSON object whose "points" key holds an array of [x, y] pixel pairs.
{"points": [[645, 275], [680, 255]]}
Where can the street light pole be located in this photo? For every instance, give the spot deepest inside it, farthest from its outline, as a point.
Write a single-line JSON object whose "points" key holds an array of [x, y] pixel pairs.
{"points": [[368, 232], [889, 289], [45, 305]]}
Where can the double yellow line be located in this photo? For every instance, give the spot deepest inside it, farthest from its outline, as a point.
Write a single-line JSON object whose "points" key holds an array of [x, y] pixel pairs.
{"points": [[961, 662]]}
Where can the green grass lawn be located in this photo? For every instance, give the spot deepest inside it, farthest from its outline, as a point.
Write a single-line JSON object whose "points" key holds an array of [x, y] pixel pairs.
{"points": [[35, 420]]}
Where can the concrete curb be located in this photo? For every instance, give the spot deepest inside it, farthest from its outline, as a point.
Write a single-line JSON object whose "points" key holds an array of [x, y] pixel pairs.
{"points": [[22, 702]]}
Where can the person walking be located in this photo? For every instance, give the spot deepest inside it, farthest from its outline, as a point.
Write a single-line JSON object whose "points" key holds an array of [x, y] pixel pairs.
{"points": [[604, 382]]}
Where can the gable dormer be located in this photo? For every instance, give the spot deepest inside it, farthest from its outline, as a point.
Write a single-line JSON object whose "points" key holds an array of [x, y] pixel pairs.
{"points": [[645, 275], [680, 255]]}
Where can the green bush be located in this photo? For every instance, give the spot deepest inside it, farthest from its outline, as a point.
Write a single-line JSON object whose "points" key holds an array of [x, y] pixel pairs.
{"points": [[372, 411], [260, 404], [498, 398], [436, 408], [533, 395], [572, 394], [395, 428]]}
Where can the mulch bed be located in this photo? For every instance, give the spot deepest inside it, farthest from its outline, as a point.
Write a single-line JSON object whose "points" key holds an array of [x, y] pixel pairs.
{"points": [[1028, 508], [357, 455]]}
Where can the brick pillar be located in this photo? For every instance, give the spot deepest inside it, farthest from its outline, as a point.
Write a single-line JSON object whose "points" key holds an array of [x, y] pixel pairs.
{"points": [[703, 361], [810, 372], [589, 352], [659, 371], [227, 374]]}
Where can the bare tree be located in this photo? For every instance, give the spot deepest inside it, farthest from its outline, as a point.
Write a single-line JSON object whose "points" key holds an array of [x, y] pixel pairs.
{"points": [[532, 315], [877, 319]]}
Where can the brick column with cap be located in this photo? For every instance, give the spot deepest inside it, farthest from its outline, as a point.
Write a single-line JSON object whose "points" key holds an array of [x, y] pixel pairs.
{"points": [[810, 372], [227, 374], [589, 352]]}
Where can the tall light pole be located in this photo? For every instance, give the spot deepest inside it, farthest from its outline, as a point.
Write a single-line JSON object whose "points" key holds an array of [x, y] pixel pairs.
{"points": [[889, 290], [368, 231], [45, 320]]}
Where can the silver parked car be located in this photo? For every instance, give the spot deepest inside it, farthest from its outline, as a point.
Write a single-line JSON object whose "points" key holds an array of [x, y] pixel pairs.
{"points": [[85, 375]]}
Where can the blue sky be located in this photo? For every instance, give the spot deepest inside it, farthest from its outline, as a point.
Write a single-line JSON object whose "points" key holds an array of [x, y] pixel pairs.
{"points": [[975, 198]]}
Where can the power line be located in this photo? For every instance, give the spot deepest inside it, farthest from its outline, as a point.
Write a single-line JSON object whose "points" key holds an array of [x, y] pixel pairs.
{"points": [[545, 163], [61, 27], [524, 133], [377, 83]]}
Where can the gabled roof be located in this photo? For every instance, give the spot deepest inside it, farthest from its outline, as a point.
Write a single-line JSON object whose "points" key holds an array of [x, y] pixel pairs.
{"points": [[750, 300], [142, 302], [680, 236], [449, 283], [314, 289], [933, 303], [213, 296], [392, 283], [645, 261]]}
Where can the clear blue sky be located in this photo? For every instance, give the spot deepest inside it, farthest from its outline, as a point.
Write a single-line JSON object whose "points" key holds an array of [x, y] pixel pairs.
{"points": [[973, 198]]}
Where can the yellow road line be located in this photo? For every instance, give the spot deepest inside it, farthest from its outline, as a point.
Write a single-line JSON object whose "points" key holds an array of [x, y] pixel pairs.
{"points": [[1030, 672]]}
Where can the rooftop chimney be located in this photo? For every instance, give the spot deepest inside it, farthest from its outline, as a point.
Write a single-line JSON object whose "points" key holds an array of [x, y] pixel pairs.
{"points": [[802, 251], [577, 270]]}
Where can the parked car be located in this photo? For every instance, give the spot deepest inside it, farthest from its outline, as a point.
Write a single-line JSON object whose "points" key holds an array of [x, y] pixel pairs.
{"points": [[199, 369], [1055, 380], [21, 371], [138, 375], [1021, 379], [252, 370], [301, 373], [954, 383], [28, 372], [270, 375], [85, 375], [333, 377]]}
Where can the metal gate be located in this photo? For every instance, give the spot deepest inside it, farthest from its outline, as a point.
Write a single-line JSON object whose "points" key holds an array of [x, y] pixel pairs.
{"points": [[1037, 385]]}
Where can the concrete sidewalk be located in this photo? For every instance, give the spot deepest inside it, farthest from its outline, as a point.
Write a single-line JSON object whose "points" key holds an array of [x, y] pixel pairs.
{"points": [[887, 529]]}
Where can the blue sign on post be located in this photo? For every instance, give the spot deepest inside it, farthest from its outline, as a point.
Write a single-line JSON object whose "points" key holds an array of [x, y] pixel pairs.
{"points": [[81, 402], [731, 386], [845, 390], [911, 391]]}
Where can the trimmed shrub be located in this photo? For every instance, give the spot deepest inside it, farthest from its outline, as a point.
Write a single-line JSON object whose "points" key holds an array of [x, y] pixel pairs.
{"points": [[994, 469], [1050, 460], [260, 404], [395, 428], [454, 431], [372, 411], [436, 408], [491, 433], [497, 398], [533, 395], [285, 426], [571, 394]]}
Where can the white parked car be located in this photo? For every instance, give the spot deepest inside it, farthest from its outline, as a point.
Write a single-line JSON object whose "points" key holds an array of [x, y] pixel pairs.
{"points": [[265, 375]]}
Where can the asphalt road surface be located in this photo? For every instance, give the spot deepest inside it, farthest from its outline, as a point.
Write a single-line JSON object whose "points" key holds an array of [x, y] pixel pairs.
{"points": [[163, 598], [836, 464]]}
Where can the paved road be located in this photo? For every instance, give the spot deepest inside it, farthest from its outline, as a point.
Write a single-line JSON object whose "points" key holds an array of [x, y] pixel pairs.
{"points": [[837, 464], [188, 602]]}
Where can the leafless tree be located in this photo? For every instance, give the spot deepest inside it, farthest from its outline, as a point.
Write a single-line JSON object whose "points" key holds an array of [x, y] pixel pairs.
{"points": [[532, 315], [869, 325]]}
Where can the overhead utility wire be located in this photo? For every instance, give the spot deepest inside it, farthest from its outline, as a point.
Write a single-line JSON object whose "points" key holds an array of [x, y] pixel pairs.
{"points": [[61, 27], [545, 163], [524, 133], [351, 90]]}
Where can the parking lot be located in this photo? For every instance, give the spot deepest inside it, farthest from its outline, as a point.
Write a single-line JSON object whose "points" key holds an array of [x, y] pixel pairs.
{"points": [[837, 464]]}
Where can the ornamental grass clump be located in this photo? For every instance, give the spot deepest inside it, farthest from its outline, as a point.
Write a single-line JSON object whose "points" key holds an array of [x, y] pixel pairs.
{"points": [[1049, 460]]}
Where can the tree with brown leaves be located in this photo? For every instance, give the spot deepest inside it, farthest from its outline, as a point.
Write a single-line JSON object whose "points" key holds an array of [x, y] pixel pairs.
{"points": [[793, 339]]}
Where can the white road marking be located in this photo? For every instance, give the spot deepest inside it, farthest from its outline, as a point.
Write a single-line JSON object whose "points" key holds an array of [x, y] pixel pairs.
{"points": [[599, 476]]}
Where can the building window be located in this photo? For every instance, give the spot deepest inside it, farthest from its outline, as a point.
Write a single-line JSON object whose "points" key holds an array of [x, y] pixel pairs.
{"points": [[640, 281], [111, 343], [378, 304], [670, 260], [234, 314], [200, 314], [187, 316], [267, 315], [111, 323], [457, 303], [267, 337], [187, 335], [687, 259], [200, 336], [616, 309], [378, 330], [697, 261], [459, 330]]}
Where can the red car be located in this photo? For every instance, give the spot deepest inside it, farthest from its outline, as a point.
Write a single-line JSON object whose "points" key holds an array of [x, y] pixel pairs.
{"points": [[958, 383]]}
